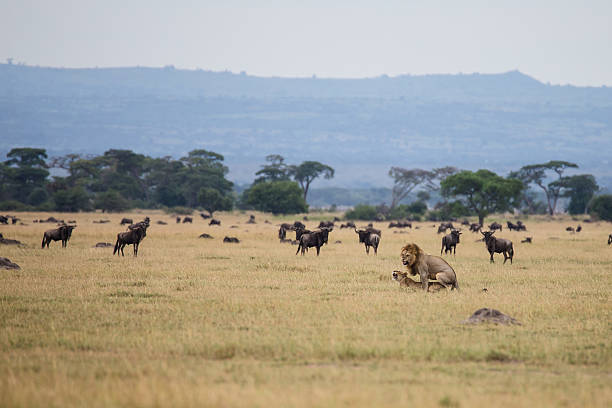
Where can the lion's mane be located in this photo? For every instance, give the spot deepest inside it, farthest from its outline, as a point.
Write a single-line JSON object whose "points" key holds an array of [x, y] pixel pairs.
{"points": [[417, 257]]}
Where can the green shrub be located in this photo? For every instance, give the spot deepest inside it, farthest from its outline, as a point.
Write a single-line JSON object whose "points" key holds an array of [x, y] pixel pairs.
{"points": [[362, 212], [601, 207]]}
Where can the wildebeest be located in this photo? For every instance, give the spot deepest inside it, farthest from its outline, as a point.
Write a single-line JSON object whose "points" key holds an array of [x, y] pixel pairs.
{"points": [[326, 224], [187, 219], [231, 240], [570, 229], [400, 224], [516, 227], [498, 245], [349, 224], [450, 241], [132, 236], [101, 221], [527, 240], [251, 219], [465, 222], [609, 239], [298, 224], [63, 233], [313, 239], [3, 219], [475, 227], [369, 239], [495, 226], [214, 222], [160, 222], [301, 231], [444, 226], [205, 216], [178, 220], [579, 228], [126, 221]]}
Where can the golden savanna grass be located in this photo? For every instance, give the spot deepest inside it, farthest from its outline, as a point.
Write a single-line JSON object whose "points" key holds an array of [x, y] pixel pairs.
{"points": [[197, 322]]}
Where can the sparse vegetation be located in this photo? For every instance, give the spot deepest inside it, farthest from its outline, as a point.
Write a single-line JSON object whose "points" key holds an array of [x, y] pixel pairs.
{"points": [[194, 322]]}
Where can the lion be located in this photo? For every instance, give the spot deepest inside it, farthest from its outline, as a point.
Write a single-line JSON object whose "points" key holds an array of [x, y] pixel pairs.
{"points": [[406, 282], [428, 267]]}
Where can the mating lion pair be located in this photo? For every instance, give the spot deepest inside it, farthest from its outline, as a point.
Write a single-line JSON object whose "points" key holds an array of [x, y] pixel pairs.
{"points": [[428, 267]]}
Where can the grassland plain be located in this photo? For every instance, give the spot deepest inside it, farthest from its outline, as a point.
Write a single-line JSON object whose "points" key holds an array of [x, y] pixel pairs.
{"points": [[198, 322]]}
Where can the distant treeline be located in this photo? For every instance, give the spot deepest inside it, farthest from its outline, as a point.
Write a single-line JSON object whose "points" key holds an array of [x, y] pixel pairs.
{"points": [[122, 179]]}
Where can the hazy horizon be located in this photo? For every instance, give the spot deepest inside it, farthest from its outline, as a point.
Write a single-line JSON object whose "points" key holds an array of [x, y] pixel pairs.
{"points": [[551, 41]]}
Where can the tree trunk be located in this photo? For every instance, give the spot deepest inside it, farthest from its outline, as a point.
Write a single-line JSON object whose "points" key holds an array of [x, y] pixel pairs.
{"points": [[481, 218]]}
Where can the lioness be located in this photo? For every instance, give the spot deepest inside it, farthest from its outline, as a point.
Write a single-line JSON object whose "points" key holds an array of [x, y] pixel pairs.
{"points": [[406, 282], [428, 267]]}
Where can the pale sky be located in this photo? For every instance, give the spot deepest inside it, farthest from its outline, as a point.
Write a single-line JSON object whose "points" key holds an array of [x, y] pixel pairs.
{"points": [[554, 41]]}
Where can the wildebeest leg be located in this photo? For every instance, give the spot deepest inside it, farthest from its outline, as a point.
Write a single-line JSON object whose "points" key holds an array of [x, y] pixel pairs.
{"points": [[367, 249], [136, 249], [492, 261], [121, 248], [375, 250], [505, 257], [298, 249], [318, 249]]}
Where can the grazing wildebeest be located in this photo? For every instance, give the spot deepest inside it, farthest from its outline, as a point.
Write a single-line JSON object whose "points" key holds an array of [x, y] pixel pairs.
{"points": [[160, 222], [132, 236], [475, 227], [511, 226], [495, 226], [205, 216], [231, 240], [498, 245], [62, 233], [313, 239], [465, 222], [187, 219], [527, 240], [369, 239], [3, 219], [450, 241], [126, 221], [349, 224], [570, 229], [400, 224], [214, 222], [521, 226], [282, 233]]}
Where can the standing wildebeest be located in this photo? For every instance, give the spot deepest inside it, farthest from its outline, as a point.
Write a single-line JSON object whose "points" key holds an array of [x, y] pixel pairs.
{"points": [[475, 227], [495, 226], [369, 239], [298, 224], [62, 233], [126, 221], [579, 228], [178, 220], [450, 241], [131, 237], [187, 219], [312, 239], [519, 226], [609, 239], [498, 245]]}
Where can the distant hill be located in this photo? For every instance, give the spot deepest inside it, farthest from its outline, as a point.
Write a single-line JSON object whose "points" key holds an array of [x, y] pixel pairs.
{"points": [[360, 127]]}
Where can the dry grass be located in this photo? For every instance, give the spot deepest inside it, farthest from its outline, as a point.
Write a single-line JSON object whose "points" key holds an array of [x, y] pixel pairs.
{"points": [[196, 322]]}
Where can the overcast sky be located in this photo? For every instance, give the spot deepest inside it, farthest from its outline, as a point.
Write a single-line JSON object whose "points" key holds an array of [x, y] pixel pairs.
{"points": [[554, 41]]}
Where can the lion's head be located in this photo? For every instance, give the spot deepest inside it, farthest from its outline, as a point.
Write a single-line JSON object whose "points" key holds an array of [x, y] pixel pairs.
{"points": [[411, 255]]}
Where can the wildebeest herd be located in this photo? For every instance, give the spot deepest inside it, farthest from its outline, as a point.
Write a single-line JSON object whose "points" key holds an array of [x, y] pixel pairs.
{"points": [[318, 237]]}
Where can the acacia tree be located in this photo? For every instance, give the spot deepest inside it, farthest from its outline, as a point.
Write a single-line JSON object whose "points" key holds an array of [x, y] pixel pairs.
{"points": [[483, 192], [308, 171], [405, 181], [276, 170], [212, 200], [536, 174], [580, 189]]}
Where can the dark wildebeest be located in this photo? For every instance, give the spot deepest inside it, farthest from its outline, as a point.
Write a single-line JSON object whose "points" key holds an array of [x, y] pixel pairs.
{"points": [[205, 216], [495, 226], [62, 233], [3, 219], [231, 240], [527, 240], [400, 224], [444, 226], [475, 227], [609, 239], [187, 219], [298, 224], [126, 221], [511, 226], [251, 219], [369, 239], [349, 224], [570, 229], [465, 222], [178, 220], [312, 239], [214, 222], [131, 237], [301, 231], [498, 245], [450, 241], [521, 226], [579, 228], [326, 224]]}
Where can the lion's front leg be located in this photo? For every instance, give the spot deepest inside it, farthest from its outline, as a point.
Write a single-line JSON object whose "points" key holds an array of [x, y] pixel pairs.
{"points": [[424, 274]]}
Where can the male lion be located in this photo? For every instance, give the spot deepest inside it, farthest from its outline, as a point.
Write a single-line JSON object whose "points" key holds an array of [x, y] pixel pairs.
{"points": [[406, 282], [428, 267]]}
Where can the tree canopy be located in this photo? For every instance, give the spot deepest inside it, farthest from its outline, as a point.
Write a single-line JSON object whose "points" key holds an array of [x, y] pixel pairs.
{"points": [[277, 197], [483, 192]]}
